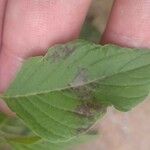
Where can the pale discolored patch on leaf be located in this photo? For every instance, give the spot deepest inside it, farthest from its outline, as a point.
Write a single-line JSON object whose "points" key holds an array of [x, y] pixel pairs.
{"points": [[80, 78]]}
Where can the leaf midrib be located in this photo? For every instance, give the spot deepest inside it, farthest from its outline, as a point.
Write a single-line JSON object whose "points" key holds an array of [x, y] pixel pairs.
{"points": [[68, 87]]}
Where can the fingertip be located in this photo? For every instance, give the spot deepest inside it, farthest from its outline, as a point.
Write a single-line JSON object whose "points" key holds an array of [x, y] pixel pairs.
{"points": [[129, 24], [9, 66], [5, 109]]}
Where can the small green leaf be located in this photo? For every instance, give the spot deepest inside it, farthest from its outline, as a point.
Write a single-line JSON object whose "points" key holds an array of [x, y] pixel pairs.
{"points": [[63, 93]]}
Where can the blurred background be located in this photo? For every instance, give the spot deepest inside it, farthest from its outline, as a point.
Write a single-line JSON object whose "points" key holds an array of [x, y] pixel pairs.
{"points": [[118, 131]]}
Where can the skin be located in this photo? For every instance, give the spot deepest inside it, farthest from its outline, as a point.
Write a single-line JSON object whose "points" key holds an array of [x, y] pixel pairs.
{"points": [[28, 27]]}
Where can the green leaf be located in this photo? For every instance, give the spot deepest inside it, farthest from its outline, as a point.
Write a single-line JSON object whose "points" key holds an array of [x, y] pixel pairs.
{"points": [[24, 139], [46, 145], [2, 118], [89, 32], [36, 143], [12, 129], [63, 93], [15, 135]]}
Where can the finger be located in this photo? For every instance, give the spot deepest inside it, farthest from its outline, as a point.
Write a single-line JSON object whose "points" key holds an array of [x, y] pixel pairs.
{"points": [[5, 109], [2, 10], [129, 24], [32, 26]]}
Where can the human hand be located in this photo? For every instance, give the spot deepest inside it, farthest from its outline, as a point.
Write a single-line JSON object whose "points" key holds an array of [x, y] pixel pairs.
{"points": [[29, 27]]}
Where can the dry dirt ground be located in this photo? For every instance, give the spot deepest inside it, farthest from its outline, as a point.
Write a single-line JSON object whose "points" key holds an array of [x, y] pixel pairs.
{"points": [[119, 131]]}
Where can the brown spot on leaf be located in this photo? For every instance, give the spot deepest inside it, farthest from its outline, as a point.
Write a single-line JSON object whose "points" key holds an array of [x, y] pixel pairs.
{"points": [[88, 109], [91, 111], [83, 92], [56, 55], [68, 50], [61, 53]]}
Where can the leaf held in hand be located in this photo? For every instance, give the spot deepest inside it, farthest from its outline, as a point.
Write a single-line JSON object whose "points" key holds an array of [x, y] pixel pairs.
{"points": [[63, 93]]}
